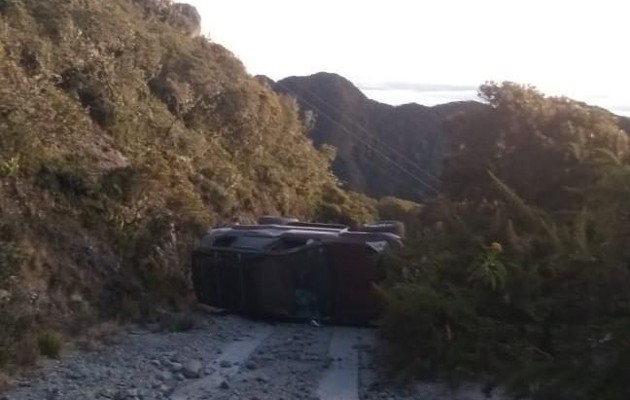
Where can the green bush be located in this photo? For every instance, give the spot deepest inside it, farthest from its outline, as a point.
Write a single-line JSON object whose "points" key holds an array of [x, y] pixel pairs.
{"points": [[536, 305], [10, 167], [49, 344]]}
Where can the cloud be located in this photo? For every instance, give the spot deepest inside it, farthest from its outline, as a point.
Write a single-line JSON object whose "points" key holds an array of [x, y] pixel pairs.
{"points": [[614, 103], [430, 94], [620, 110], [427, 94], [416, 87], [398, 97]]}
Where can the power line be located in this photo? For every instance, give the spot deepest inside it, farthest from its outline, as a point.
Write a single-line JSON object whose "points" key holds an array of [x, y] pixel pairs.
{"points": [[361, 140], [368, 133]]}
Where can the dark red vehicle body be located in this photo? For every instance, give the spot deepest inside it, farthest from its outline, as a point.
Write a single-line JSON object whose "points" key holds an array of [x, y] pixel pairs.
{"points": [[297, 270]]}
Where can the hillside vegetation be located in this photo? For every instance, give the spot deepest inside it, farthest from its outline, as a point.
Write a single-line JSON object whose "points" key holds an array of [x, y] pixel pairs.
{"points": [[520, 271], [123, 135]]}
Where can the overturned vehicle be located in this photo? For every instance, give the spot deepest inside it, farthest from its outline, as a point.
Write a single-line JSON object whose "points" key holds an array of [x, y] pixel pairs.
{"points": [[289, 269]]}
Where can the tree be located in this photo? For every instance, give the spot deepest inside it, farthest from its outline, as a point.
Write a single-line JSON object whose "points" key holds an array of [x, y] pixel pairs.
{"points": [[541, 147]]}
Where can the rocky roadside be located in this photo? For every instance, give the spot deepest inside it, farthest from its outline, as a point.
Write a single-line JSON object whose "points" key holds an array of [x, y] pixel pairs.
{"points": [[225, 358], [143, 364]]}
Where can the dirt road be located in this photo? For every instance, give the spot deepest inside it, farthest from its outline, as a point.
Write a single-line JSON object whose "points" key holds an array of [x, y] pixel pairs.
{"points": [[227, 357]]}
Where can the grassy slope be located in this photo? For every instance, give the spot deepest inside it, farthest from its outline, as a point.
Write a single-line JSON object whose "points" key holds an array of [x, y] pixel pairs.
{"points": [[122, 137]]}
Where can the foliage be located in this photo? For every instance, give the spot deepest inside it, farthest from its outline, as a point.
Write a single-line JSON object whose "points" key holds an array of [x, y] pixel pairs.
{"points": [[507, 282], [520, 126], [348, 208], [408, 212], [488, 270], [49, 344], [10, 167]]}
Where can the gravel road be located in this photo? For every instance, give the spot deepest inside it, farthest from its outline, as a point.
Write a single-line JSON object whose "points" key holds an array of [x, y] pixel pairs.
{"points": [[227, 357]]}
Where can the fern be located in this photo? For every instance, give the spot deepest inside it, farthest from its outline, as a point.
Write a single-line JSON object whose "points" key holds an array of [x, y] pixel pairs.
{"points": [[488, 270], [529, 213]]}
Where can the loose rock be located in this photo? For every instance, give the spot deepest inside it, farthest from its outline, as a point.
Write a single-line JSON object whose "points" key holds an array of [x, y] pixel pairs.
{"points": [[192, 369]]}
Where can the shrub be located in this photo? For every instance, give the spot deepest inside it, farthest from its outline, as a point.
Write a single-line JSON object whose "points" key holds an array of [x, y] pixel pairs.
{"points": [[10, 167], [68, 176], [49, 344], [507, 290]]}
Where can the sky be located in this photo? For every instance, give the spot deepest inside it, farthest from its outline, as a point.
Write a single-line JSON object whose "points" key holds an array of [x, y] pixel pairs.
{"points": [[434, 51]]}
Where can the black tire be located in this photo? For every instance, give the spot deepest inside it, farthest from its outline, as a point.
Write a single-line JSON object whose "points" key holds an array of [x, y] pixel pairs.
{"points": [[395, 227], [272, 220]]}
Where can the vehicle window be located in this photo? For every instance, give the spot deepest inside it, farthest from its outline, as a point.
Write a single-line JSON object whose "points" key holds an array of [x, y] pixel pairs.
{"points": [[252, 242], [223, 241], [287, 244]]}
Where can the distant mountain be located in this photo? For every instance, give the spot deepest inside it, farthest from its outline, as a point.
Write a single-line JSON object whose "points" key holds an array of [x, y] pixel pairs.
{"points": [[382, 150], [624, 123]]}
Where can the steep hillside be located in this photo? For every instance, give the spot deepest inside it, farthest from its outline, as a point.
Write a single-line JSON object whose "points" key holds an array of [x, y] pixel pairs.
{"points": [[123, 135], [381, 149]]}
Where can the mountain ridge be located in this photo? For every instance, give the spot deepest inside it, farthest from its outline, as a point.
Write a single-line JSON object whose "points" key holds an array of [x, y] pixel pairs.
{"points": [[375, 141], [381, 149]]}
